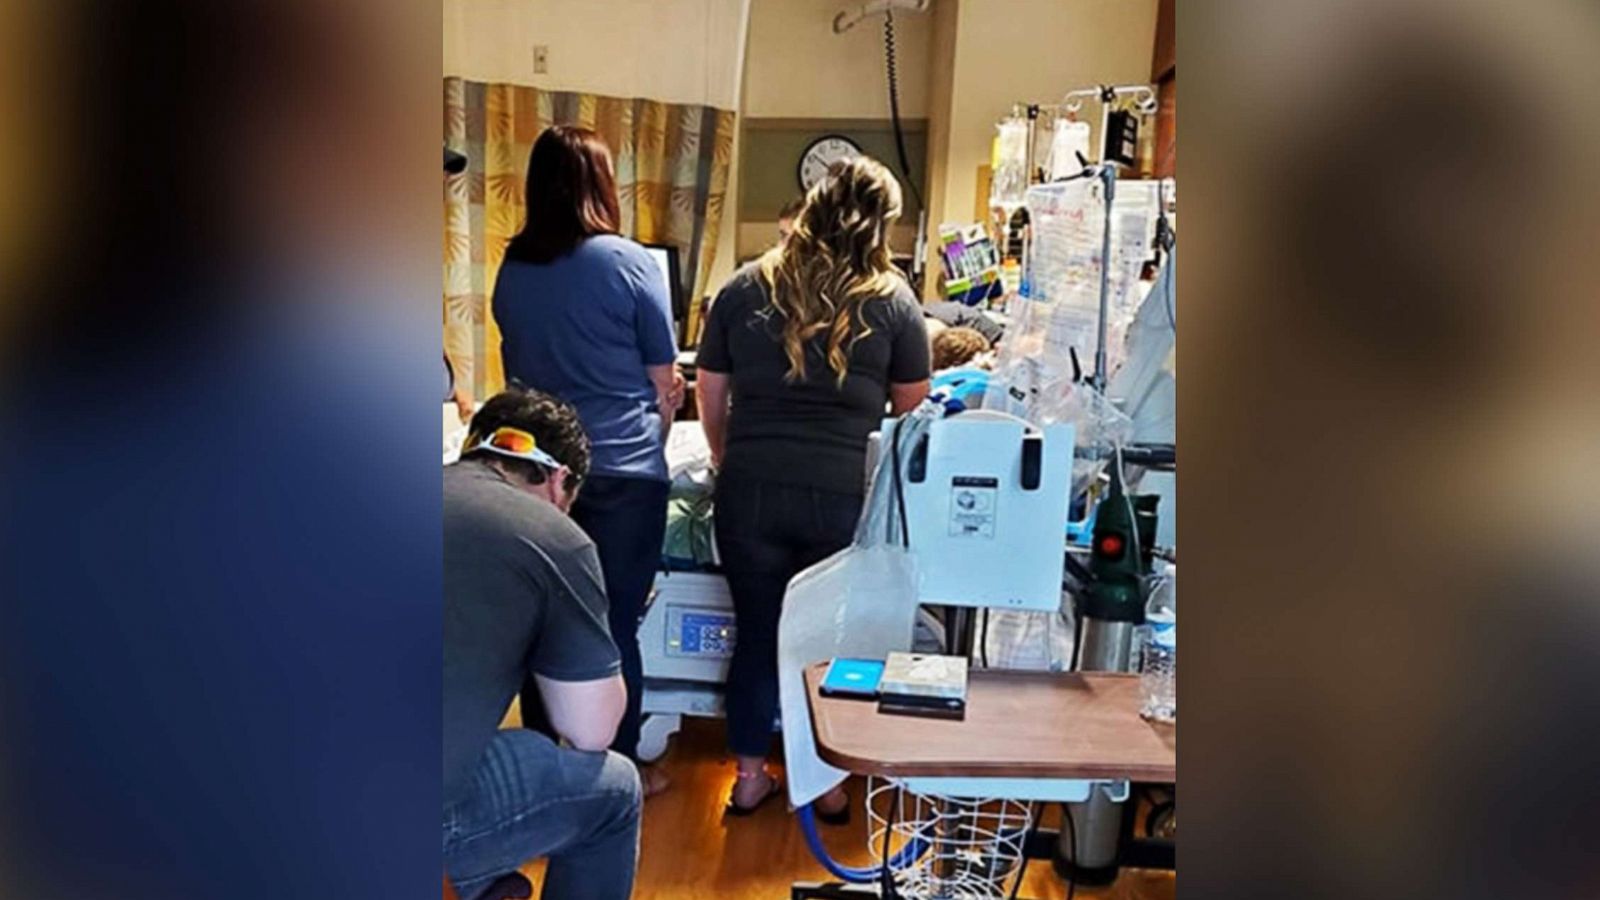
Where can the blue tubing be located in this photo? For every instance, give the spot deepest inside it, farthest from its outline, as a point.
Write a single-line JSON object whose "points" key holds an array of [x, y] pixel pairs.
{"points": [[903, 857]]}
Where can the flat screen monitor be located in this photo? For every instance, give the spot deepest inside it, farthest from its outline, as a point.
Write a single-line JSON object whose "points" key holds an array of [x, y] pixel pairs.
{"points": [[666, 257]]}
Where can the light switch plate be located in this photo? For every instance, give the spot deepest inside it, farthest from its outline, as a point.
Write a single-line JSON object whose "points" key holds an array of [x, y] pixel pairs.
{"points": [[541, 59]]}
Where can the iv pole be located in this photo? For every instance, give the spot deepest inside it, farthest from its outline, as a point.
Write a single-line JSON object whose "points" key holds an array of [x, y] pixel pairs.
{"points": [[1108, 178], [1143, 99]]}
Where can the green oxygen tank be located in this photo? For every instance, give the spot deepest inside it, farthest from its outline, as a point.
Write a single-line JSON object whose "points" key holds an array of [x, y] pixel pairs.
{"points": [[1124, 536]]}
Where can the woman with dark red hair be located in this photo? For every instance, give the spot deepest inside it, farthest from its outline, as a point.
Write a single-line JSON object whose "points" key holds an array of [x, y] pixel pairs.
{"points": [[584, 315]]}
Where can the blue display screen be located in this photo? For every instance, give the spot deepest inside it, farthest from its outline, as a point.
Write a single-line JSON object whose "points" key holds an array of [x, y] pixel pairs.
{"points": [[702, 633], [859, 677]]}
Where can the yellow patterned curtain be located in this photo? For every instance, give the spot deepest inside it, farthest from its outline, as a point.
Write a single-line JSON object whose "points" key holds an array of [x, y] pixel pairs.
{"points": [[672, 174]]}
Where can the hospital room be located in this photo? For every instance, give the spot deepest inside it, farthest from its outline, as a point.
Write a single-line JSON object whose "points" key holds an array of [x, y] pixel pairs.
{"points": [[807, 511], [809, 442]]}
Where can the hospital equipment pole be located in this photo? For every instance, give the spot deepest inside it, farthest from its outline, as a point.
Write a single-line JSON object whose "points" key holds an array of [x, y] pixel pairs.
{"points": [[1108, 178]]}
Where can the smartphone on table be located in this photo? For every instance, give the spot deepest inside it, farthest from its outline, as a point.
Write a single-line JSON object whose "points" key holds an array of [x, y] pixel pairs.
{"points": [[852, 678]]}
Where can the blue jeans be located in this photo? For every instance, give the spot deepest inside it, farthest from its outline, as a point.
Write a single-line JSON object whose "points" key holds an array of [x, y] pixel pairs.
{"points": [[766, 534], [627, 520], [531, 799]]}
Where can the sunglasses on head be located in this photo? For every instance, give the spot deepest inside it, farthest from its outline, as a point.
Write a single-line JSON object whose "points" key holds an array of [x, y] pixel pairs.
{"points": [[519, 444]]}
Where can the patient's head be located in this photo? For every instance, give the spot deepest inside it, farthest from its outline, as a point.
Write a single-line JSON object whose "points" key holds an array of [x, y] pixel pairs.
{"points": [[957, 347]]}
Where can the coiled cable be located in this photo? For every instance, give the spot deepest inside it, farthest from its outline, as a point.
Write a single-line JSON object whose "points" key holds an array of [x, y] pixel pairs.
{"points": [[894, 106]]}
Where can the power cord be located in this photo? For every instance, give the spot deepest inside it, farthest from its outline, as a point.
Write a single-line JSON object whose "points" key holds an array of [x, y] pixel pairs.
{"points": [[899, 490], [1172, 315], [1133, 518], [888, 886]]}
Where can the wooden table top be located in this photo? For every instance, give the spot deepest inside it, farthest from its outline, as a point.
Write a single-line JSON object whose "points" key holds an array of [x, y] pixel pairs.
{"points": [[1018, 725]]}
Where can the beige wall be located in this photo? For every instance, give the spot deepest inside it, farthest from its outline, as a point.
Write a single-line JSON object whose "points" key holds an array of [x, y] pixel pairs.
{"points": [[676, 51], [798, 68], [998, 52]]}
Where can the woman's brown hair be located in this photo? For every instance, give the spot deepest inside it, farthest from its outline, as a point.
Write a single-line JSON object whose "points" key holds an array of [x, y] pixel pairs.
{"points": [[571, 195]]}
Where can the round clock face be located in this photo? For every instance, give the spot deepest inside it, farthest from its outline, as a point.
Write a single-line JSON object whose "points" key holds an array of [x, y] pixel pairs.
{"points": [[824, 152]]}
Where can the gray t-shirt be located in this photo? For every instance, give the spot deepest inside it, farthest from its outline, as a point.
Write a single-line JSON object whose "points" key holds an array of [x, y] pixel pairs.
{"points": [[522, 593], [811, 432]]}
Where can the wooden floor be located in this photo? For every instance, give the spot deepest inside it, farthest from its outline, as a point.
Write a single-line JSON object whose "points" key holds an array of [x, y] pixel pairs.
{"points": [[687, 851]]}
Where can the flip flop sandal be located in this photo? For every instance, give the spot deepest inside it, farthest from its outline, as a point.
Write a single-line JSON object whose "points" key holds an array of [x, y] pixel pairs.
{"points": [[839, 818], [774, 789]]}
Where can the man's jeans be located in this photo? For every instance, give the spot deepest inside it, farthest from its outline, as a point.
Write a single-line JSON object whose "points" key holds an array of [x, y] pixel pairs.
{"points": [[531, 798]]}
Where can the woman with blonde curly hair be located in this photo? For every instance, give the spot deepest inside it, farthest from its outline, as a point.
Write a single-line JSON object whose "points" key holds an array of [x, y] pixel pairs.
{"points": [[803, 353]]}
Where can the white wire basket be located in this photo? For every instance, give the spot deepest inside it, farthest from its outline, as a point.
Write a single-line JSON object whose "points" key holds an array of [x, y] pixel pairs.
{"points": [[945, 848]]}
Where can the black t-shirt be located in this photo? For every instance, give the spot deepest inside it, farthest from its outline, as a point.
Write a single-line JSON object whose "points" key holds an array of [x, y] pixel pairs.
{"points": [[522, 593], [811, 432]]}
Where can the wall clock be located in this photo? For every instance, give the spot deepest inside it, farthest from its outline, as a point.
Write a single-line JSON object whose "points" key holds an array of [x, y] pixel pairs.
{"points": [[822, 153]]}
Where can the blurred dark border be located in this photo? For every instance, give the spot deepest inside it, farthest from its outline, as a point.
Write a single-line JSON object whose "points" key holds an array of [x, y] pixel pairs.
{"points": [[1389, 432], [219, 553]]}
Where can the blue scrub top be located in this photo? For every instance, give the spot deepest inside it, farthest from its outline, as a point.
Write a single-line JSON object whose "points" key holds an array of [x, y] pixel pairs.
{"points": [[583, 328]]}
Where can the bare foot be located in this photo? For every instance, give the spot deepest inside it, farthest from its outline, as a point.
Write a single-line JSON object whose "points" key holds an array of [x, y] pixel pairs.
{"points": [[653, 780]]}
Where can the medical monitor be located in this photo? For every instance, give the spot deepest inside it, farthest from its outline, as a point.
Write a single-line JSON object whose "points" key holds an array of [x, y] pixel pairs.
{"points": [[666, 260]]}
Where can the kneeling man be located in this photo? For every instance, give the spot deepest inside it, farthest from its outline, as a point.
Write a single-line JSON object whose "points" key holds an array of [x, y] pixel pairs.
{"points": [[523, 594]]}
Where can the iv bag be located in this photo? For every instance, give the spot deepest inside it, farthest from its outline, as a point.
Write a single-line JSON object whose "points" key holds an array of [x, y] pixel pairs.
{"points": [[1009, 163], [1070, 139]]}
